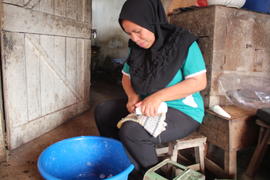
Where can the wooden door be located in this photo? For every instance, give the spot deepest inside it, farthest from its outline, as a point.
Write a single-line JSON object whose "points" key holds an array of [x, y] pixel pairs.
{"points": [[46, 64]]}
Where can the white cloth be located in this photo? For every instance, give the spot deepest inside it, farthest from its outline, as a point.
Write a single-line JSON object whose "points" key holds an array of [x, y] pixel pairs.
{"points": [[152, 124]]}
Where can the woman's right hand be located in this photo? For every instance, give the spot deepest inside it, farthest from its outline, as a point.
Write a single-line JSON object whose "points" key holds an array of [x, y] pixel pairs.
{"points": [[132, 101]]}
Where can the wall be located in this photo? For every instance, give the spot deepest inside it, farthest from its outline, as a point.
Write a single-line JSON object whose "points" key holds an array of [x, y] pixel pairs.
{"points": [[110, 37]]}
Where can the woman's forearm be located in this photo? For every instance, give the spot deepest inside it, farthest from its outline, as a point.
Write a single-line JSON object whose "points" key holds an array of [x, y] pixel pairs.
{"points": [[126, 83], [182, 89], [133, 97]]}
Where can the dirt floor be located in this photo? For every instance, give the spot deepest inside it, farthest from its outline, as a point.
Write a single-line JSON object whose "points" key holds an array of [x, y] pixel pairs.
{"points": [[22, 162]]}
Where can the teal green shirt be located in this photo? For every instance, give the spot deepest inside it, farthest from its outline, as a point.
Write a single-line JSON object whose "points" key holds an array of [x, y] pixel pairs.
{"points": [[191, 105]]}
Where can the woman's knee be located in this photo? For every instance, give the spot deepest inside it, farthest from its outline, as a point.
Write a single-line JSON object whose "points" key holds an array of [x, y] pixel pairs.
{"points": [[132, 131]]}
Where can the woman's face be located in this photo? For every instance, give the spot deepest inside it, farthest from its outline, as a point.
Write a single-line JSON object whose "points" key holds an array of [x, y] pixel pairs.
{"points": [[138, 34]]}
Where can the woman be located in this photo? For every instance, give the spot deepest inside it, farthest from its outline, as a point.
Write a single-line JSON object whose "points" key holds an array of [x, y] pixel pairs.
{"points": [[165, 64]]}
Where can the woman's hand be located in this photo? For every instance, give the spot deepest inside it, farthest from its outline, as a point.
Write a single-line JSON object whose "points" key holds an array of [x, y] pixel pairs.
{"points": [[149, 106], [132, 101]]}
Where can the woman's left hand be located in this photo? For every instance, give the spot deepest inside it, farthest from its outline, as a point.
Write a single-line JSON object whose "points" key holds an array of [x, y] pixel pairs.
{"points": [[149, 106]]}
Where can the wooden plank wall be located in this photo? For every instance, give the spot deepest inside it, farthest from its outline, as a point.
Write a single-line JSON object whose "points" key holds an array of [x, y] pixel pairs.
{"points": [[2, 122], [46, 54]]}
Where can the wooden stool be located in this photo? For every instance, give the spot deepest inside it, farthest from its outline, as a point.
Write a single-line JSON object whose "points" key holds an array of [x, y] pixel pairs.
{"points": [[229, 135], [263, 141], [196, 141]]}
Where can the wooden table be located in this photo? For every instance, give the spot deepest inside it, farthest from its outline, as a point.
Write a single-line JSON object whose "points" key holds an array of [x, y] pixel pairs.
{"points": [[230, 135]]}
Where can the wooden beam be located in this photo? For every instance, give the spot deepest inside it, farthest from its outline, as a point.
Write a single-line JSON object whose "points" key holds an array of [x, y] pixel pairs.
{"points": [[42, 23]]}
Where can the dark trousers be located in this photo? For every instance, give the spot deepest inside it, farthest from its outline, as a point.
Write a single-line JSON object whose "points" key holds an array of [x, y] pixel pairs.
{"points": [[138, 142]]}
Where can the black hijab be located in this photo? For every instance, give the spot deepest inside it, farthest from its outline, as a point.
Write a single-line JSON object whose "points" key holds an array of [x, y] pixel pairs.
{"points": [[152, 69]]}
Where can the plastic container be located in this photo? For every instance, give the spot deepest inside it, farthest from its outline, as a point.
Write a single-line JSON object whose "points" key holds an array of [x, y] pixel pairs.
{"points": [[229, 3], [262, 6], [85, 157]]}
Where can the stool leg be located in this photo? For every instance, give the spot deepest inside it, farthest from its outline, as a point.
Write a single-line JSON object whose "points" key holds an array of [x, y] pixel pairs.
{"points": [[258, 153], [174, 154], [262, 132], [199, 156], [230, 163], [171, 148]]}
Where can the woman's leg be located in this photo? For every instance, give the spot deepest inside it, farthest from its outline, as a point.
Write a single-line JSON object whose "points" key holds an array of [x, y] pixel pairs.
{"points": [[179, 126], [141, 145], [107, 114], [138, 143]]}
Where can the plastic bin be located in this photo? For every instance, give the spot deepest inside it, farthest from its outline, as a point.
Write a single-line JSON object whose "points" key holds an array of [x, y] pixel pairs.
{"points": [[262, 6], [85, 157]]}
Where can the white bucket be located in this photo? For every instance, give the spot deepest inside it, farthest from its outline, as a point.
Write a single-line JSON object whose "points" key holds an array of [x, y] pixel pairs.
{"points": [[229, 3]]}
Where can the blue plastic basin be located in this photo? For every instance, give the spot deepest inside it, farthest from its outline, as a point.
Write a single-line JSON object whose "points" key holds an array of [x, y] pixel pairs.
{"points": [[85, 158]]}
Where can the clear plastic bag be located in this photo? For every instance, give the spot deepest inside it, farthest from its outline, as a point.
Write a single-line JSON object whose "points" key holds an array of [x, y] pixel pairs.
{"points": [[246, 91]]}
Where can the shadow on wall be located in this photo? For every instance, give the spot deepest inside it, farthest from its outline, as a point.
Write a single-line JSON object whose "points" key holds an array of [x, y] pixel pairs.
{"points": [[108, 58], [115, 46], [108, 70]]}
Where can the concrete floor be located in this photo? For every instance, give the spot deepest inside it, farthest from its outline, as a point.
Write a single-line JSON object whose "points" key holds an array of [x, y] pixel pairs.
{"points": [[22, 162]]}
